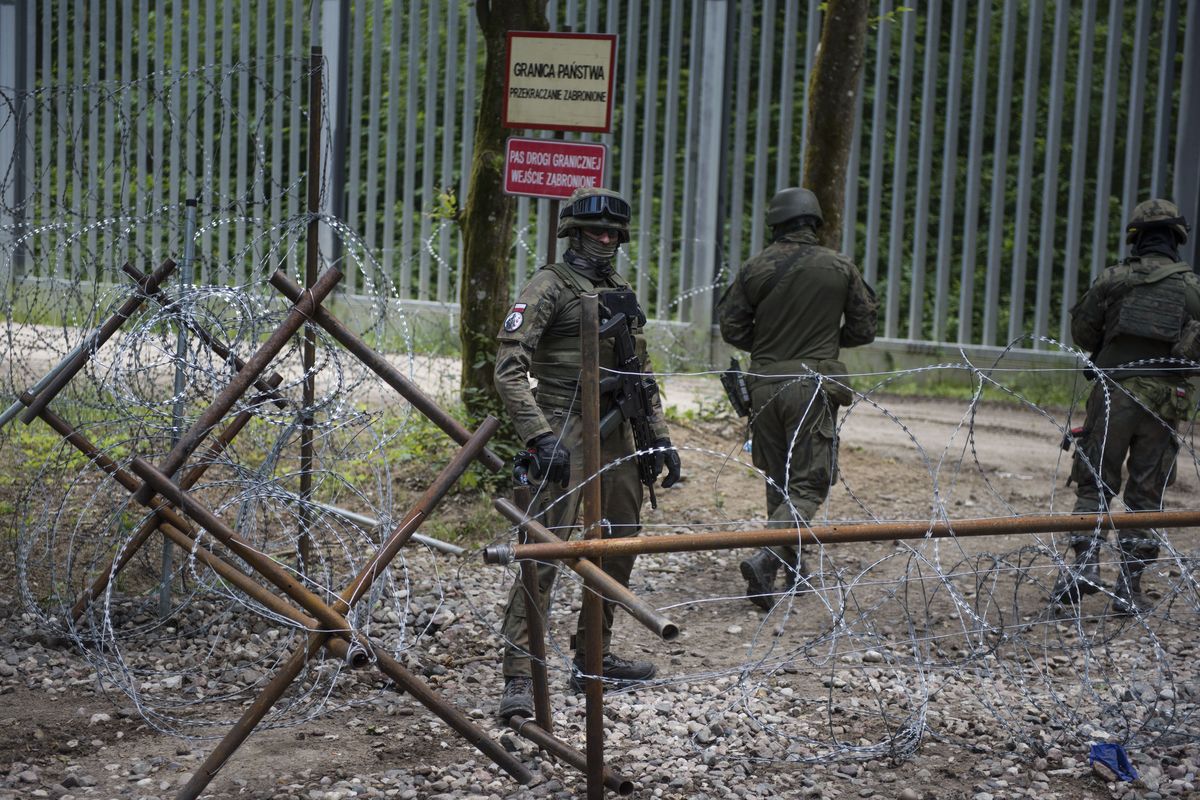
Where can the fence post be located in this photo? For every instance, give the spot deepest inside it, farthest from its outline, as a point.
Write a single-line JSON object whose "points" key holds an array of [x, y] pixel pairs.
{"points": [[708, 171]]}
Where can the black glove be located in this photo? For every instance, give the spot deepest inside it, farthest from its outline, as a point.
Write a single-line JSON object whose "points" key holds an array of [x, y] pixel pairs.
{"points": [[551, 461], [668, 457]]}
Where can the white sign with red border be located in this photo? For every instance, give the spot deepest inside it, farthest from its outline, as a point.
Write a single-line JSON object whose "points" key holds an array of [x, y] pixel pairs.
{"points": [[551, 167], [559, 81]]}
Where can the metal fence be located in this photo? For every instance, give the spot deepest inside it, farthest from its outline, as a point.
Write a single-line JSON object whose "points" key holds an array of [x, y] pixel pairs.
{"points": [[998, 149]]}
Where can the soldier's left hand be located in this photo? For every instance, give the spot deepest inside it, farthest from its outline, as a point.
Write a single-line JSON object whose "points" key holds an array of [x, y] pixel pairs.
{"points": [[667, 457]]}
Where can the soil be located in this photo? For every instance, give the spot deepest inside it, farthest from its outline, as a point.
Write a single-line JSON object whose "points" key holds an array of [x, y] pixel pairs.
{"points": [[905, 459]]}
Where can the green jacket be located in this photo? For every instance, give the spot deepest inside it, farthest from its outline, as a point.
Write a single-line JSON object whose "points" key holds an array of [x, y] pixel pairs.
{"points": [[786, 306], [540, 339], [1135, 311]]}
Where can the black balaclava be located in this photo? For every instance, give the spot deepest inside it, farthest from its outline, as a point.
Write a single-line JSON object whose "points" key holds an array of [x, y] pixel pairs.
{"points": [[1157, 240], [792, 225]]}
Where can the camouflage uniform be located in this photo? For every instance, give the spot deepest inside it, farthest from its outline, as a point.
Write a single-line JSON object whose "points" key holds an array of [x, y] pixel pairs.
{"points": [[1133, 412], [542, 341], [786, 307]]}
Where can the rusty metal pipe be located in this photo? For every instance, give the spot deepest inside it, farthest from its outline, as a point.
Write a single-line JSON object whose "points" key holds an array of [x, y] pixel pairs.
{"points": [[266, 385], [844, 533], [608, 587], [258, 362], [564, 752], [71, 368], [390, 375], [536, 628], [593, 603], [149, 526]]}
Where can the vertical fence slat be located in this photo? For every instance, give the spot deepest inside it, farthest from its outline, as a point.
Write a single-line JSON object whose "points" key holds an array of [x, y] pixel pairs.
{"points": [[879, 103], [645, 210], [787, 94], [1160, 162], [974, 165], [110, 132], [1130, 185], [276, 182], [945, 254], [242, 132], [410, 145], [370, 216], [1186, 188], [666, 218], [354, 186], [428, 145], [924, 168], [48, 134], [1049, 226], [896, 234], [1101, 236], [1079, 156], [999, 178], [1021, 233], [687, 236], [449, 95], [762, 124], [392, 161], [741, 115], [631, 47]]}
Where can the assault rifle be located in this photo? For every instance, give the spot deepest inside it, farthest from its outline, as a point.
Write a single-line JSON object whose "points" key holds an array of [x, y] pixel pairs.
{"points": [[631, 388]]}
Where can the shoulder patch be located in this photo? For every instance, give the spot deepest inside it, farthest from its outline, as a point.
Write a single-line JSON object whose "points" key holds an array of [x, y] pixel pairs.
{"points": [[515, 318]]}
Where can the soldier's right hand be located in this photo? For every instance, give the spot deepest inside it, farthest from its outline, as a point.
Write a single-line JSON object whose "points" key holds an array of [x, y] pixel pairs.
{"points": [[551, 461]]}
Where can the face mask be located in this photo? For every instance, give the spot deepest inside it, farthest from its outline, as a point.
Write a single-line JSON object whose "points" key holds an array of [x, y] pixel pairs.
{"points": [[593, 250]]}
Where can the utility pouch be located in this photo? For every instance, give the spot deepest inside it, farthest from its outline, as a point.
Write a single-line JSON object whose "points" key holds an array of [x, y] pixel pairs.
{"points": [[1188, 346], [736, 389]]}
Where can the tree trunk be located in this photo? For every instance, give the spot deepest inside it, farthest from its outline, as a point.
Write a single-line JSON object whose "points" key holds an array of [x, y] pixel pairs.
{"points": [[489, 215], [831, 108]]}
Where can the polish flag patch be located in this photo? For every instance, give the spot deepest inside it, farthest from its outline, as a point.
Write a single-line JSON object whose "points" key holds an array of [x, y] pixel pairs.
{"points": [[515, 318]]}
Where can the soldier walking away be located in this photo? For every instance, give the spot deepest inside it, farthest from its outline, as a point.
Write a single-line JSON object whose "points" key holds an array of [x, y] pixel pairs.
{"points": [[793, 306], [1141, 321], [541, 339]]}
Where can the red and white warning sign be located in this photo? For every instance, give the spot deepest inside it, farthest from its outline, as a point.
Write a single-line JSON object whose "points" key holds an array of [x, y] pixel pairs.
{"points": [[551, 168]]}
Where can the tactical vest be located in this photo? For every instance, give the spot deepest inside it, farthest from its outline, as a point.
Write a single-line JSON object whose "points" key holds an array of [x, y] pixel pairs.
{"points": [[557, 360], [1150, 307]]}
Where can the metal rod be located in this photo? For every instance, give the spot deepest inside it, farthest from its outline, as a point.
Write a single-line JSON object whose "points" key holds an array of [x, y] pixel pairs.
{"points": [[148, 527], [593, 603], [180, 389], [71, 366], [258, 362], [609, 587], [841, 534], [309, 351], [370, 524], [390, 375], [564, 752], [536, 627]]}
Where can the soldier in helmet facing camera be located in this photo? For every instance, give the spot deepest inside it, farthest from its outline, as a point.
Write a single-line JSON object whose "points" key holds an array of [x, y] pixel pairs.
{"points": [[794, 306], [541, 339], [1141, 321]]}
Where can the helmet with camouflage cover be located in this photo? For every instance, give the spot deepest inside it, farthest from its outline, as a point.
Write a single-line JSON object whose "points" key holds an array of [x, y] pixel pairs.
{"points": [[594, 207], [791, 203], [1153, 214]]}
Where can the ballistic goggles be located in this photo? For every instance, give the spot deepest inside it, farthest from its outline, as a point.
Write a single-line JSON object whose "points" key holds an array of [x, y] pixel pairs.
{"points": [[597, 205]]}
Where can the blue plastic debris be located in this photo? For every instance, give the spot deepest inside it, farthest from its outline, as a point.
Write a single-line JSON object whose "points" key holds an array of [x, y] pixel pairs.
{"points": [[1114, 757]]}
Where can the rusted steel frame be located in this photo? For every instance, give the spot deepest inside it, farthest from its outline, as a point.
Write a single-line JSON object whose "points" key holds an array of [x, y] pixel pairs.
{"points": [[346, 600], [267, 385], [308, 353], [841, 534], [225, 399], [604, 583], [387, 372], [535, 627], [102, 335], [564, 752], [148, 527], [593, 603]]}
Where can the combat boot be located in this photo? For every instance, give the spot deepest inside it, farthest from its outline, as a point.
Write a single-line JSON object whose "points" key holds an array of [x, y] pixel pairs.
{"points": [[517, 698], [759, 571], [622, 672], [1082, 577], [1127, 595]]}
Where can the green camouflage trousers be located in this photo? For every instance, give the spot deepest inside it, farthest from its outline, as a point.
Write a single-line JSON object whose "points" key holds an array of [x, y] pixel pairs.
{"points": [[793, 433], [1120, 431], [621, 505]]}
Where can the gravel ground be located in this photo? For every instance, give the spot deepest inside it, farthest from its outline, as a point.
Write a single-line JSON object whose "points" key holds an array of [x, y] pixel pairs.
{"points": [[926, 671]]}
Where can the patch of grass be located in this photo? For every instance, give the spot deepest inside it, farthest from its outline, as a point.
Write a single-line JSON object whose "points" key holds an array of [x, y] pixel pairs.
{"points": [[1043, 388]]}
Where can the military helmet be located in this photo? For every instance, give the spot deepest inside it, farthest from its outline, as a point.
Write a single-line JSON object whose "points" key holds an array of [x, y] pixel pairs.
{"points": [[593, 207], [1153, 214], [791, 203]]}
